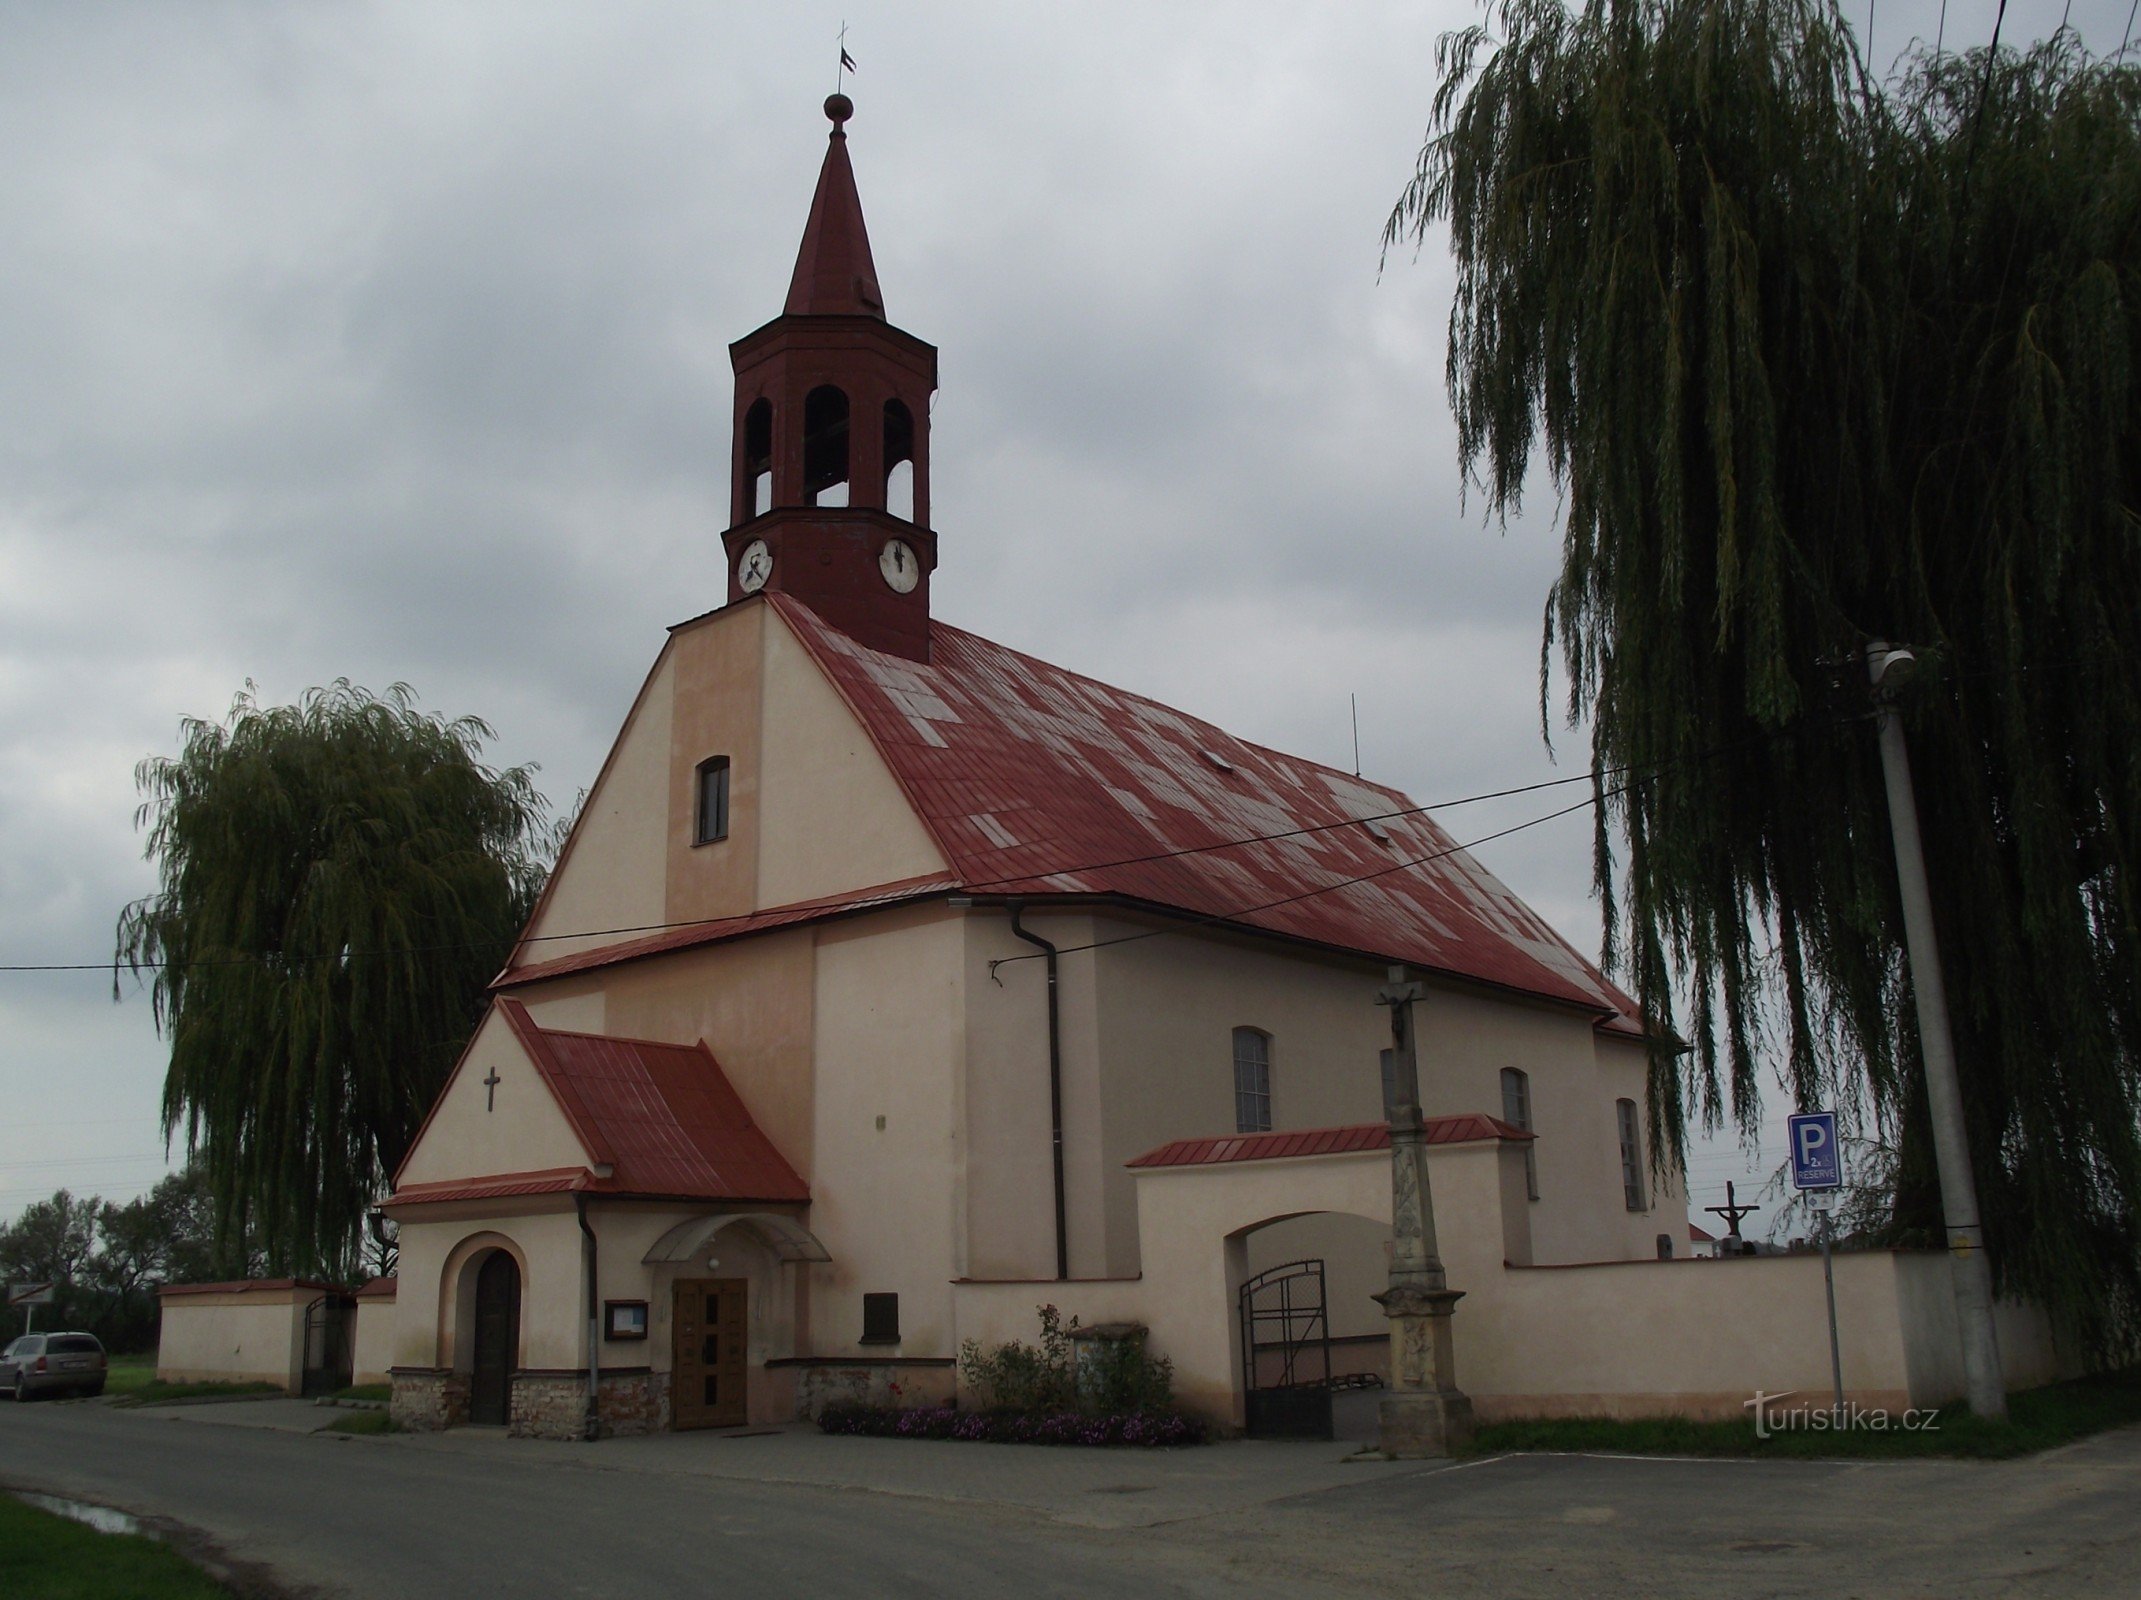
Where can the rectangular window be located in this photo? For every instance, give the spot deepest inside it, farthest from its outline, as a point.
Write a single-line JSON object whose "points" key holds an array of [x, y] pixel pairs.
{"points": [[1252, 1081], [1631, 1154], [1516, 1111], [713, 801], [880, 1319]]}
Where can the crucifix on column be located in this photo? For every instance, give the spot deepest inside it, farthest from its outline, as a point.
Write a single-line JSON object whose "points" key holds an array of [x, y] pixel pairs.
{"points": [[1424, 1414]]}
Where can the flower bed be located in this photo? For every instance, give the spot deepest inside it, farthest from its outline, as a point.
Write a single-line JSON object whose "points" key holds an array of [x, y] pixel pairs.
{"points": [[1011, 1427]]}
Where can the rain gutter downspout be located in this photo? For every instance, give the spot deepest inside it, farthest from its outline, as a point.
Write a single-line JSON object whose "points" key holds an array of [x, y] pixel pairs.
{"points": [[1055, 1083], [589, 1259]]}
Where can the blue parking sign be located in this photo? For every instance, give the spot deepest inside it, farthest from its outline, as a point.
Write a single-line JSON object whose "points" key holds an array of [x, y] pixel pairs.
{"points": [[1817, 1159]]}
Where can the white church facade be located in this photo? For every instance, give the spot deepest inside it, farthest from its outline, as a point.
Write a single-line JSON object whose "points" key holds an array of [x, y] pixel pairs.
{"points": [[893, 983]]}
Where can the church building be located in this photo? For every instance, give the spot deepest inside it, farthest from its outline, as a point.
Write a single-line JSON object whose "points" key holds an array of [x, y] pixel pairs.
{"points": [[894, 983]]}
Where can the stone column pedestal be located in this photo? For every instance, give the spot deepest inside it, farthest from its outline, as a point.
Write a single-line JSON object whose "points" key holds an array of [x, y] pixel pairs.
{"points": [[1425, 1413]]}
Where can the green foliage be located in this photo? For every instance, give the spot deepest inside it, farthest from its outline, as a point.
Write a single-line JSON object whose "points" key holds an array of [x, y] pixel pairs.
{"points": [[339, 881], [364, 1422], [1814, 362], [2038, 1419], [1113, 1376], [54, 1558], [1120, 1377], [1023, 1377], [107, 1258], [156, 1391]]}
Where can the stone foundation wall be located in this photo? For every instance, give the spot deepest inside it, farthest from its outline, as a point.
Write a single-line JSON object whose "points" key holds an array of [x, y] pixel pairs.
{"points": [[426, 1400], [548, 1405], [634, 1402], [871, 1384]]}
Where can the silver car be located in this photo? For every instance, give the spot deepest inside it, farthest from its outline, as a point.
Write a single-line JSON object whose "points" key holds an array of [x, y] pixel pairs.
{"points": [[47, 1363]]}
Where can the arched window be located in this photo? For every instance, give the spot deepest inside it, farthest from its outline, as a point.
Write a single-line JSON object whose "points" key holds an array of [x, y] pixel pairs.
{"points": [[712, 801], [1252, 1081], [1516, 1111], [758, 458], [825, 447], [899, 459], [1631, 1153]]}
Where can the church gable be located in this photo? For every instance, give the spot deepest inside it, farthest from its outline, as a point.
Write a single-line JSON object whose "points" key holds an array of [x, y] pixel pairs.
{"points": [[613, 871], [495, 1116], [836, 820]]}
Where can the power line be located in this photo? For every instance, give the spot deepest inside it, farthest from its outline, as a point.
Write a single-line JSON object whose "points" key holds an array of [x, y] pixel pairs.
{"points": [[863, 901], [1309, 894]]}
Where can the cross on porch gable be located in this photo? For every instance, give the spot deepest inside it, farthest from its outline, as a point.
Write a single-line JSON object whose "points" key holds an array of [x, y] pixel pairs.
{"points": [[490, 1090]]}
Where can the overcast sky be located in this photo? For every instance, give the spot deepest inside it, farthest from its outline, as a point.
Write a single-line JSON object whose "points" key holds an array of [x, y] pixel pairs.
{"points": [[388, 341]]}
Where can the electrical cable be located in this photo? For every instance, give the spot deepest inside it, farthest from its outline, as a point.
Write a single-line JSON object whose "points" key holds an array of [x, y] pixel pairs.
{"points": [[863, 902]]}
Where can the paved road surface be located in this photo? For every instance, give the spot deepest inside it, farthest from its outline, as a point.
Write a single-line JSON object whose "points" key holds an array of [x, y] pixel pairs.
{"points": [[469, 1514]]}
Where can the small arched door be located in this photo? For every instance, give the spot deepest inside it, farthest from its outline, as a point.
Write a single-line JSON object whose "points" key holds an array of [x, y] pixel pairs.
{"points": [[490, 1392]]}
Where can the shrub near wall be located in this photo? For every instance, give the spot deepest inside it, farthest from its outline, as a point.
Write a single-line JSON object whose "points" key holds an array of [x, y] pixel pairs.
{"points": [[1079, 1387]]}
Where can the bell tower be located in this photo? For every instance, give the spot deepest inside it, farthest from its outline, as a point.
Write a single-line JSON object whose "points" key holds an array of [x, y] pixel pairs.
{"points": [[829, 483]]}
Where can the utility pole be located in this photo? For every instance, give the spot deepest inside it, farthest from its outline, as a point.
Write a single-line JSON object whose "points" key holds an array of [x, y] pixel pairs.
{"points": [[1425, 1414], [1889, 669]]}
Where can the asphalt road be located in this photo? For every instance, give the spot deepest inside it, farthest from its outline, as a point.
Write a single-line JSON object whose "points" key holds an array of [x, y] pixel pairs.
{"points": [[400, 1518]]}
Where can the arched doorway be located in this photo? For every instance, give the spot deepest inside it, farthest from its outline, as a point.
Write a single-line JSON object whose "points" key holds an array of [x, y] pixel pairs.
{"points": [[497, 1340]]}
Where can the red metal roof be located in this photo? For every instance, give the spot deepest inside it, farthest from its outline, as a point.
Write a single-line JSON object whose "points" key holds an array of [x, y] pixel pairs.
{"points": [[248, 1286], [1034, 780], [1462, 1129], [834, 275], [663, 1117], [379, 1289], [496, 1186], [1698, 1234]]}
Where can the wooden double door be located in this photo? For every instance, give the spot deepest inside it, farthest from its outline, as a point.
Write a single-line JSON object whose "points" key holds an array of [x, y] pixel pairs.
{"points": [[709, 1373]]}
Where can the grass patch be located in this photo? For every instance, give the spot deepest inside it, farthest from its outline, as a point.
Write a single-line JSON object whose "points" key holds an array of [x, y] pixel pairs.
{"points": [[156, 1391], [366, 1391], [364, 1422], [54, 1558], [129, 1374], [2037, 1419]]}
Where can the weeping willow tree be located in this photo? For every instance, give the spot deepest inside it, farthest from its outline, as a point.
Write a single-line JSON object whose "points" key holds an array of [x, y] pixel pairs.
{"points": [[339, 880], [1812, 361]]}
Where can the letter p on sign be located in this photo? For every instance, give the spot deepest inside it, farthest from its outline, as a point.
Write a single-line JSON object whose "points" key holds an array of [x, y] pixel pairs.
{"points": [[1817, 1162]]}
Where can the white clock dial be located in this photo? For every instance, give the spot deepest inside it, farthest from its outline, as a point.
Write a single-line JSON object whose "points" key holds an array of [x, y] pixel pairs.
{"points": [[754, 567], [901, 567]]}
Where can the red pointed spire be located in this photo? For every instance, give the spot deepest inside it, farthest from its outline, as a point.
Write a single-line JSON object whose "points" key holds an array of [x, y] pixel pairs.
{"points": [[834, 275]]}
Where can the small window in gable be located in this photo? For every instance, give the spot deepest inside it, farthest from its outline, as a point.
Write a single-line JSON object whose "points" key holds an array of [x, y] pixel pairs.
{"points": [[1631, 1154], [1252, 1081], [1516, 1111], [713, 801]]}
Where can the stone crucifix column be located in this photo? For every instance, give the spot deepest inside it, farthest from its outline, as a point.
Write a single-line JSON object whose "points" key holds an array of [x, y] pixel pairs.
{"points": [[1424, 1413]]}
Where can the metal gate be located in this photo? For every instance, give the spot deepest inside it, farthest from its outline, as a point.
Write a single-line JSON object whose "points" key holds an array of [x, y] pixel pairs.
{"points": [[1286, 1353], [330, 1332]]}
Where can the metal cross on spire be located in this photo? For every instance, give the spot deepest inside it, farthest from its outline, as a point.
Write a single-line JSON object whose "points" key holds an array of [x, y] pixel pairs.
{"points": [[847, 62]]}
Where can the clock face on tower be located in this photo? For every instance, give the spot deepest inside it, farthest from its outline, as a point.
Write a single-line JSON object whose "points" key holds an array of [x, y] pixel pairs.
{"points": [[897, 562], [754, 567]]}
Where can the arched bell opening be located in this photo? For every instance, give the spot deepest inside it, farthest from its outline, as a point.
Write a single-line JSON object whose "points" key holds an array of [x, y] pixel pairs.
{"points": [[899, 459], [756, 467], [825, 446]]}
